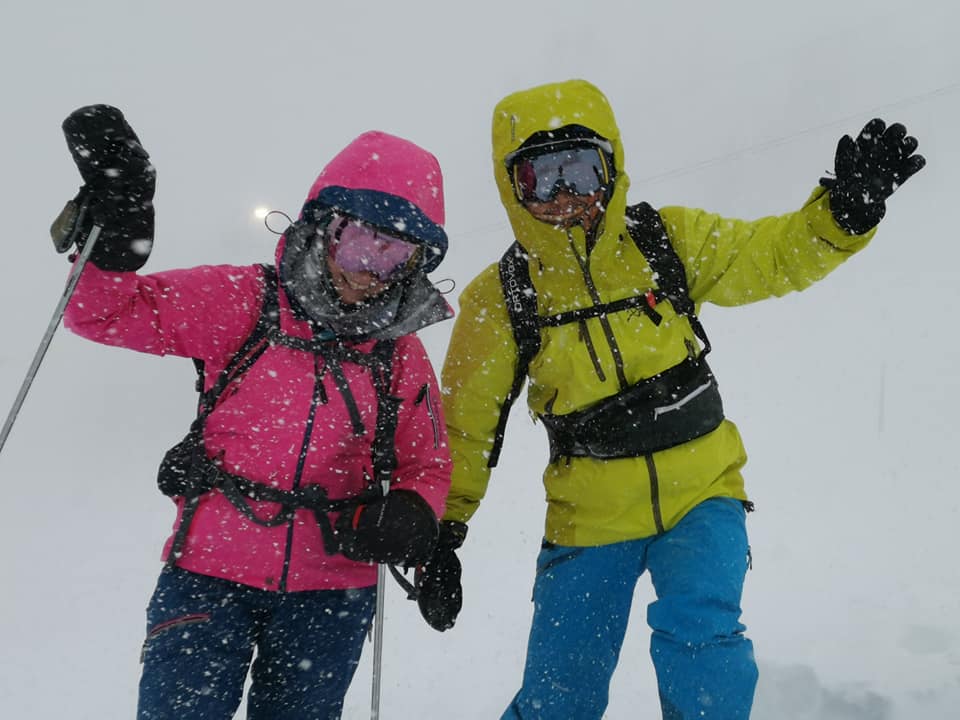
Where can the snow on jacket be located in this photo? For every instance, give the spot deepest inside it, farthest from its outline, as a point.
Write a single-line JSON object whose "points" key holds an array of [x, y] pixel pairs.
{"points": [[260, 425], [727, 262]]}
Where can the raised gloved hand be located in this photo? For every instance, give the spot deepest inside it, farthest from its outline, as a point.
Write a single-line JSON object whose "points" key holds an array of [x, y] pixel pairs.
{"points": [[439, 593], [399, 528], [117, 194], [867, 171]]}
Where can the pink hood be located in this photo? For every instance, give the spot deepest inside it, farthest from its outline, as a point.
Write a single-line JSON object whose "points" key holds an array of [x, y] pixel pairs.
{"points": [[390, 183], [380, 161]]}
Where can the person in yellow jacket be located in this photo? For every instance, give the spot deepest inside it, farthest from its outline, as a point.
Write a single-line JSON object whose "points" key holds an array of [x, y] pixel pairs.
{"points": [[645, 470]]}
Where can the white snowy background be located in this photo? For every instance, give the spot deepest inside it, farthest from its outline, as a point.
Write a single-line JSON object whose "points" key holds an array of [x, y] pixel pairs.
{"points": [[846, 395]]}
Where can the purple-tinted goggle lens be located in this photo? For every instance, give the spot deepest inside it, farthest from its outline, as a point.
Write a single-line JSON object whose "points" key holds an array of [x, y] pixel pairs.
{"points": [[581, 170], [358, 247]]}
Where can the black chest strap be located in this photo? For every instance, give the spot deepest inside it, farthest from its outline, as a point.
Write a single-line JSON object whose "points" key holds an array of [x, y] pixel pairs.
{"points": [[379, 363]]}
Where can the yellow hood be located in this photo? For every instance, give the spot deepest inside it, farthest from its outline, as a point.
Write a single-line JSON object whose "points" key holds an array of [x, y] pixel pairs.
{"points": [[550, 107]]}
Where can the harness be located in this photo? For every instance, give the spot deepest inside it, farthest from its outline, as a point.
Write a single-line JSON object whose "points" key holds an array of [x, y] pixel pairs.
{"points": [[677, 405], [186, 471]]}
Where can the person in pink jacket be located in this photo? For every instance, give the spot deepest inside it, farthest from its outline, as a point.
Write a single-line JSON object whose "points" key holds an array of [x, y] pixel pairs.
{"points": [[316, 393]]}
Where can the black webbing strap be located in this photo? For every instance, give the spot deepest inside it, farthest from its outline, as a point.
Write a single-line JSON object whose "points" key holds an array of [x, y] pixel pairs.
{"points": [[253, 347], [649, 234], [521, 300], [340, 380], [384, 450], [313, 497], [379, 362], [410, 588], [242, 360], [644, 303], [198, 469]]}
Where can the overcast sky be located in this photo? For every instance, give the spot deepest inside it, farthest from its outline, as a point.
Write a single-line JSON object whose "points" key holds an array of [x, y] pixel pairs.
{"points": [[846, 394]]}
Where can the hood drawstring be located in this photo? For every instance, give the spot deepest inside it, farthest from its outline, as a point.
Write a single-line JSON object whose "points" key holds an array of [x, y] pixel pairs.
{"points": [[584, 264]]}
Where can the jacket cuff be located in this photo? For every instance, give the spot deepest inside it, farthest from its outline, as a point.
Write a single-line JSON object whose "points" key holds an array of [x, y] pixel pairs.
{"points": [[822, 224]]}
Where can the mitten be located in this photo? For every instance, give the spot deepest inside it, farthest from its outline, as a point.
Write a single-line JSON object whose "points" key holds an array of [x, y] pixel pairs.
{"points": [[117, 194], [439, 592]]}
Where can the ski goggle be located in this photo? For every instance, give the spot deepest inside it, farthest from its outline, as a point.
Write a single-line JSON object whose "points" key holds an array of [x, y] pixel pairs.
{"points": [[357, 247], [580, 170]]}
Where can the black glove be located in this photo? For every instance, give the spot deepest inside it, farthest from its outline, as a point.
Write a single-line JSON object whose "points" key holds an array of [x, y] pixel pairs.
{"points": [[867, 171], [399, 528], [439, 593], [117, 194]]}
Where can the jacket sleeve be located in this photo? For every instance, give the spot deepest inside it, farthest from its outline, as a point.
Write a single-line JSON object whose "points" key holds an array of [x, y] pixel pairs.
{"points": [[477, 376], [421, 447], [735, 262], [203, 312]]}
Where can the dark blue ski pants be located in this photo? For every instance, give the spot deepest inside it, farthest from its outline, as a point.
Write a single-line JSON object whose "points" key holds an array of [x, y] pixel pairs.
{"points": [[202, 633], [582, 596]]}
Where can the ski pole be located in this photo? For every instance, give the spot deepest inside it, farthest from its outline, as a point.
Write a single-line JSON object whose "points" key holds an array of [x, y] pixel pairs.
{"points": [[378, 631], [378, 643], [48, 335]]}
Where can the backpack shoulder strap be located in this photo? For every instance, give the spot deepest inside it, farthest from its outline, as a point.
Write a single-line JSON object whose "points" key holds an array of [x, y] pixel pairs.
{"points": [[177, 463], [252, 347], [521, 300], [384, 453], [649, 234]]}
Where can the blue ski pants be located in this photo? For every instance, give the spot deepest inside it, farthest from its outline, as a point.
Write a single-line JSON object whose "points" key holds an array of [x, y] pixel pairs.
{"points": [[202, 633], [582, 596]]}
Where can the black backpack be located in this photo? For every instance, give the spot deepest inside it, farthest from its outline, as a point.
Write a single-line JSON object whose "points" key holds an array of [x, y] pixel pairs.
{"points": [[647, 230]]}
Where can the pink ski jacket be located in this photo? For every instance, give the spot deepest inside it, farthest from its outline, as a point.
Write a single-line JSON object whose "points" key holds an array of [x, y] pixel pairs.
{"points": [[284, 423]]}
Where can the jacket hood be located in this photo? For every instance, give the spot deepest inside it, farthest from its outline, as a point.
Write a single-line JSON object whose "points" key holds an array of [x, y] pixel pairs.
{"points": [[536, 112], [389, 182], [393, 184]]}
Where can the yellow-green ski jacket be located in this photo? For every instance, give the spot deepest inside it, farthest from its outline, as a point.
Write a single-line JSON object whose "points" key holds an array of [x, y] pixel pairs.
{"points": [[727, 262]]}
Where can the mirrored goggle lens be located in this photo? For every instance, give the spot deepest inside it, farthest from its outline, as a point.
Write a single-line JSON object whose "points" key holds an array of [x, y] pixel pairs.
{"points": [[357, 247], [582, 171]]}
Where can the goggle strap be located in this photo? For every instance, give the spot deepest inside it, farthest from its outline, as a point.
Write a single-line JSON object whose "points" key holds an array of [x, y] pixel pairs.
{"points": [[545, 149]]}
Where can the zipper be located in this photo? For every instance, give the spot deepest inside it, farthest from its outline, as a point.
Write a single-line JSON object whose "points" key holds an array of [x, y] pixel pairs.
{"points": [[173, 623], [654, 492], [318, 394], [177, 622], [424, 396], [570, 554]]}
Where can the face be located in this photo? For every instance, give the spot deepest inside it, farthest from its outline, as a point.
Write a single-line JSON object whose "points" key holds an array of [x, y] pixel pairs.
{"points": [[568, 209], [363, 260], [354, 287], [564, 187]]}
